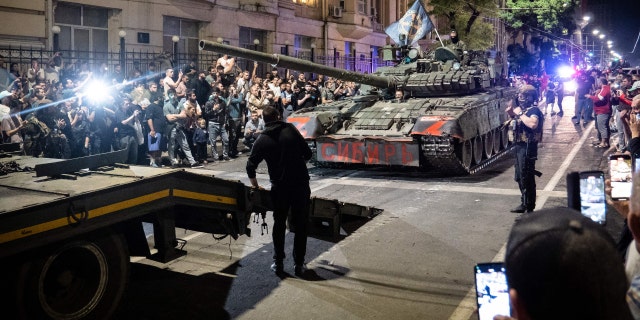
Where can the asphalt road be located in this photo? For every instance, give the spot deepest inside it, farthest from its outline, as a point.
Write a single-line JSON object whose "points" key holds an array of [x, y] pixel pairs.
{"points": [[413, 261]]}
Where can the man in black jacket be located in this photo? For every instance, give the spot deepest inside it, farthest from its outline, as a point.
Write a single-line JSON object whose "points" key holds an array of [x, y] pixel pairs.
{"points": [[286, 153]]}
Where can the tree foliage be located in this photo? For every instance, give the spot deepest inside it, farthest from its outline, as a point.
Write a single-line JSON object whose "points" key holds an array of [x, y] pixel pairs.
{"points": [[466, 17], [549, 16]]}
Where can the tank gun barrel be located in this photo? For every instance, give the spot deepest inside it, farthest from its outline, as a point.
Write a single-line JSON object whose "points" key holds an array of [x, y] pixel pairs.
{"points": [[298, 64]]}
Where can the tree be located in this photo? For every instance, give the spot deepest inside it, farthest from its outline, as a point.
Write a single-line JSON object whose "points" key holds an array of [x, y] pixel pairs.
{"points": [[553, 17], [466, 18]]}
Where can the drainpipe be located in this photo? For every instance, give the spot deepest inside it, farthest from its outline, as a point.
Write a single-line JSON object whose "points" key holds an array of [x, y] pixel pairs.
{"points": [[325, 11]]}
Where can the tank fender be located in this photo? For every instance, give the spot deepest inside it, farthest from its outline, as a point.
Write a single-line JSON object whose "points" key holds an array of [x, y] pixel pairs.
{"points": [[308, 125], [437, 125]]}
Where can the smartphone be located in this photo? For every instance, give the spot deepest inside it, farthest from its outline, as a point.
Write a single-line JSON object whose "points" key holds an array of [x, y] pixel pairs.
{"points": [[492, 290], [592, 197], [621, 173]]}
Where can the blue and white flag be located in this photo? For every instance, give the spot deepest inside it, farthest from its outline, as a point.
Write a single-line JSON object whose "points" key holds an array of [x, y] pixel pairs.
{"points": [[414, 25]]}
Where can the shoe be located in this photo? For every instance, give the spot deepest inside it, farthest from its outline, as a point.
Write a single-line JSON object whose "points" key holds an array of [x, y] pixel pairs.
{"points": [[560, 114], [226, 158], [519, 209], [300, 269], [278, 268], [196, 165]]}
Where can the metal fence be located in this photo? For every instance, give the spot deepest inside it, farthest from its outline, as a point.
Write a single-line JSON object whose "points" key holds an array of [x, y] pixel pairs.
{"points": [[75, 60]]}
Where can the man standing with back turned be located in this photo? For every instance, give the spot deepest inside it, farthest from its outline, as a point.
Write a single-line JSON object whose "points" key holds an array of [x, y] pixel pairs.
{"points": [[286, 153]]}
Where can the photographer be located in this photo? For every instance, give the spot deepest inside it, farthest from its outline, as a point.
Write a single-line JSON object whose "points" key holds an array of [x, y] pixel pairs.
{"points": [[215, 112], [310, 97], [127, 118], [235, 113], [562, 265]]}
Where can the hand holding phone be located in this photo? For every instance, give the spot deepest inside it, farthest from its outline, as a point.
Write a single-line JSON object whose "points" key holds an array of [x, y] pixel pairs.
{"points": [[492, 290], [592, 196], [621, 174]]}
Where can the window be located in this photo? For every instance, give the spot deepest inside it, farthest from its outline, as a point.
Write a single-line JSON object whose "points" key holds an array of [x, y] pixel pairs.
{"points": [[362, 7], [308, 3], [302, 46], [83, 29], [246, 40], [188, 36]]}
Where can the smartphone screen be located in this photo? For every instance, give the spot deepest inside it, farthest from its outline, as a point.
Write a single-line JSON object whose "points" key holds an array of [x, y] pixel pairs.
{"points": [[592, 197], [492, 291], [620, 171]]}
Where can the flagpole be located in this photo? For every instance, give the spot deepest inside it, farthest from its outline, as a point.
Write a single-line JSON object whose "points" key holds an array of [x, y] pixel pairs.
{"points": [[437, 34]]}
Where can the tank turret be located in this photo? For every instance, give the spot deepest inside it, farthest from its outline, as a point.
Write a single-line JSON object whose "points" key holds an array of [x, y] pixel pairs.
{"points": [[451, 119]]}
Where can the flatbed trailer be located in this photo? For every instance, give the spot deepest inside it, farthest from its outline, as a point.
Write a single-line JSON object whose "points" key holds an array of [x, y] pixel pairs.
{"points": [[67, 234]]}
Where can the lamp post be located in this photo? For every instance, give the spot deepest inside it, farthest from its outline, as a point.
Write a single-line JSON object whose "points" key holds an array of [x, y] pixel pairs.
{"points": [[256, 43], [175, 40], [335, 56], [56, 35], [123, 64]]}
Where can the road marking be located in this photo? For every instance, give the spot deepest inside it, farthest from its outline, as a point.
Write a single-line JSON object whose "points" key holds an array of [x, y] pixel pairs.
{"points": [[467, 306]]}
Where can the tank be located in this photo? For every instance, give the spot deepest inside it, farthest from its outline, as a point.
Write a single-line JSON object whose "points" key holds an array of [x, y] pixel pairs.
{"points": [[451, 121]]}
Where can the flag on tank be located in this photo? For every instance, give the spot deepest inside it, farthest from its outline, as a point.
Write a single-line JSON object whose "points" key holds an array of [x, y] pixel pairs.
{"points": [[413, 26]]}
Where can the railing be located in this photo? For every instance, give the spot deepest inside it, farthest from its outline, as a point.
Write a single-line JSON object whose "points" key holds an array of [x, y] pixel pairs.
{"points": [[75, 61]]}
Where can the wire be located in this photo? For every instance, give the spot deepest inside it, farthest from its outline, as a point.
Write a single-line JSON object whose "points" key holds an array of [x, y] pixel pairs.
{"points": [[636, 44]]}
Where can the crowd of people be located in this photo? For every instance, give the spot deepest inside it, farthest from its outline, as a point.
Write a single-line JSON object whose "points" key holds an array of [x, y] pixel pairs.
{"points": [[560, 264], [169, 117], [599, 96]]}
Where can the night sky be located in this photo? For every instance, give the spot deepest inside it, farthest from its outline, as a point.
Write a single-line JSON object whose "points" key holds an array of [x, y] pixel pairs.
{"points": [[620, 19]]}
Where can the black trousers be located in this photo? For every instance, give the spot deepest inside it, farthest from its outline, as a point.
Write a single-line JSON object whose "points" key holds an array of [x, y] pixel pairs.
{"points": [[525, 169], [293, 197]]}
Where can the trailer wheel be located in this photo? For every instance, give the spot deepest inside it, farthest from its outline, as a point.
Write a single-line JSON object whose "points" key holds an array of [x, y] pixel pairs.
{"points": [[83, 279]]}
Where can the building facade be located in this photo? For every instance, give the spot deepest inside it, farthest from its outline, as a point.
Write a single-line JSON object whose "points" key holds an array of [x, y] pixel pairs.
{"points": [[329, 26]]}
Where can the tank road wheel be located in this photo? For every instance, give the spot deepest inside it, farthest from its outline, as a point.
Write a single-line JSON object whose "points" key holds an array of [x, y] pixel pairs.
{"points": [[477, 149], [504, 137], [82, 279], [488, 144], [496, 141], [464, 152]]}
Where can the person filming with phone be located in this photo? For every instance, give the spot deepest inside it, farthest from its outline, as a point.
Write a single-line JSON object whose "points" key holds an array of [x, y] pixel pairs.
{"points": [[526, 132], [562, 265]]}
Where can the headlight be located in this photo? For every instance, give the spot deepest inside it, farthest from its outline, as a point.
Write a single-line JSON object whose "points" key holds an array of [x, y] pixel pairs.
{"points": [[456, 66]]}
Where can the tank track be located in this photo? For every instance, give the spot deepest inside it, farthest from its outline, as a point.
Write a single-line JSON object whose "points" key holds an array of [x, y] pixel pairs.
{"points": [[439, 155]]}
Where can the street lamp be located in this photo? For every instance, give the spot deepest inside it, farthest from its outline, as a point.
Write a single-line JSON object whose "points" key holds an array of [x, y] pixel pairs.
{"points": [[313, 48], [256, 43], [335, 56], [219, 40], [123, 64], [175, 40], [56, 35]]}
